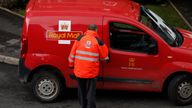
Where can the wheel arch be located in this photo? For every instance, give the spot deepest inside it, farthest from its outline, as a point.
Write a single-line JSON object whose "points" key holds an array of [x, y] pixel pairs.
{"points": [[170, 77], [54, 71]]}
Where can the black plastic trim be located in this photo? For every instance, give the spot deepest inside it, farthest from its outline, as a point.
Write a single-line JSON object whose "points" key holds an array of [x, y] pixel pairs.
{"points": [[119, 80], [23, 71]]}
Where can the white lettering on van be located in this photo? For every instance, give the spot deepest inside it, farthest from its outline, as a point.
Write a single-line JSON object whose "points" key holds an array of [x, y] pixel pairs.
{"points": [[64, 42]]}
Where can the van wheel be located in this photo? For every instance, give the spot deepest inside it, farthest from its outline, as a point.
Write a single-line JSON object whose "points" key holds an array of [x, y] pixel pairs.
{"points": [[47, 87], [180, 90]]}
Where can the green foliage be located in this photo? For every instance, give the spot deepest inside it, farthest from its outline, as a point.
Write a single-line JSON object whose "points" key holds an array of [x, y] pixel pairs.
{"points": [[22, 12], [168, 13]]}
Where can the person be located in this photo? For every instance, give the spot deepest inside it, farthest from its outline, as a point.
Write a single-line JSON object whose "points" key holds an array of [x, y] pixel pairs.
{"points": [[85, 56]]}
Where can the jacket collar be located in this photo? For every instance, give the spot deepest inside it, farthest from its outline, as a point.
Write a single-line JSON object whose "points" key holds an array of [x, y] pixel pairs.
{"points": [[91, 33]]}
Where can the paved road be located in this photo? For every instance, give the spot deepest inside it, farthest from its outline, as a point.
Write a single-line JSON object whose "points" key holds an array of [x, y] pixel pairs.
{"points": [[10, 31], [15, 95]]}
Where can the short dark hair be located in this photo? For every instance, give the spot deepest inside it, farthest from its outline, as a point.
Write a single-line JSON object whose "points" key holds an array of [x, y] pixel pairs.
{"points": [[92, 27]]}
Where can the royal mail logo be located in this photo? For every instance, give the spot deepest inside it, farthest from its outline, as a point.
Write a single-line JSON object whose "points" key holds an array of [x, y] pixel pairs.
{"points": [[109, 3], [54, 35], [132, 62], [64, 26], [88, 44]]}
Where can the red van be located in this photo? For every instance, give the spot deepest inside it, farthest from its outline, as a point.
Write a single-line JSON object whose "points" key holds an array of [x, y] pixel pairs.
{"points": [[145, 53]]}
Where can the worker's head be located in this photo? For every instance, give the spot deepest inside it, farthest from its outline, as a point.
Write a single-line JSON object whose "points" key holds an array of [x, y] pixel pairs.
{"points": [[92, 27]]}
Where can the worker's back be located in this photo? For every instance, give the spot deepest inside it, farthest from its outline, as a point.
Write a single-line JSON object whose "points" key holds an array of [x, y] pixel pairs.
{"points": [[86, 53]]}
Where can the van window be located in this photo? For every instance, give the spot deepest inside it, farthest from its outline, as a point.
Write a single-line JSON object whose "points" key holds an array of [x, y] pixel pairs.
{"points": [[129, 38]]}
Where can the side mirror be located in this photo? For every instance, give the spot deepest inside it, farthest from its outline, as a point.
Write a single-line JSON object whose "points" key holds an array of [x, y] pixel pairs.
{"points": [[152, 49]]}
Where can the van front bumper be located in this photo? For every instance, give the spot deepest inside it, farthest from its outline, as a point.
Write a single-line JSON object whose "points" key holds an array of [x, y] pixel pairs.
{"points": [[23, 71]]}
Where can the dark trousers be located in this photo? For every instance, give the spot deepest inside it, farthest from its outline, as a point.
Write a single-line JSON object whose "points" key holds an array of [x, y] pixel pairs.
{"points": [[86, 92]]}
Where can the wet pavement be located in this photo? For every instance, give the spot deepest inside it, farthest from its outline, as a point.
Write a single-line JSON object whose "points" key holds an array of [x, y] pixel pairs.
{"points": [[185, 7], [15, 95], [10, 31]]}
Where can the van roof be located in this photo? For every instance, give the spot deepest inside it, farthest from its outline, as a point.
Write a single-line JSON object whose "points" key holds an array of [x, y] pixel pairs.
{"points": [[125, 8]]}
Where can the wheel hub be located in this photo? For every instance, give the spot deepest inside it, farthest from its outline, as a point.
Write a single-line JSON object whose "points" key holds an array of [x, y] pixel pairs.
{"points": [[46, 87], [185, 90]]}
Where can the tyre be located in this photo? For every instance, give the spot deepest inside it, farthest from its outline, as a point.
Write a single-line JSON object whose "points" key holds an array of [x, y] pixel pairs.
{"points": [[180, 90], [47, 87]]}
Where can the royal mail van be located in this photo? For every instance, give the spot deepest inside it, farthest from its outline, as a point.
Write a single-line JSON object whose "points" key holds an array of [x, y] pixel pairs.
{"points": [[145, 53]]}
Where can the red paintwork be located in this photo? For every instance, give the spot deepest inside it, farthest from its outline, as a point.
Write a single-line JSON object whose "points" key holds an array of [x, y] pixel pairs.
{"points": [[43, 16]]}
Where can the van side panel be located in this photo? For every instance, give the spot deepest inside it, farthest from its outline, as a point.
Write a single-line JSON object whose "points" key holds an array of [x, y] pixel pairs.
{"points": [[43, 51]]}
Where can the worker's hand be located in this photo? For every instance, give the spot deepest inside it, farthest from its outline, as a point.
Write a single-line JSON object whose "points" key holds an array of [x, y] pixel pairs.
{"points": [[106, 59]]}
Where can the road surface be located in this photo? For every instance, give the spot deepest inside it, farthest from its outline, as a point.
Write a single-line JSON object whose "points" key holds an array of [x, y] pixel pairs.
{"points": [[15, 95]]}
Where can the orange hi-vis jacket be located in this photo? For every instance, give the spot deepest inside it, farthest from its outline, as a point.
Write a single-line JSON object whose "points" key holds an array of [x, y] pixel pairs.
{"points": [[86, 53]]}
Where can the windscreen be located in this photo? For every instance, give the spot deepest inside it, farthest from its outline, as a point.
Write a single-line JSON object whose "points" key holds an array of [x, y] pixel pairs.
{"points": [[156, 23]]}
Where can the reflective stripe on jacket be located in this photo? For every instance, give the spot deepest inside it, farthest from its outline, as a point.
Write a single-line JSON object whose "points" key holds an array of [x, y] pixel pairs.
{"points": [[86, 53]]}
